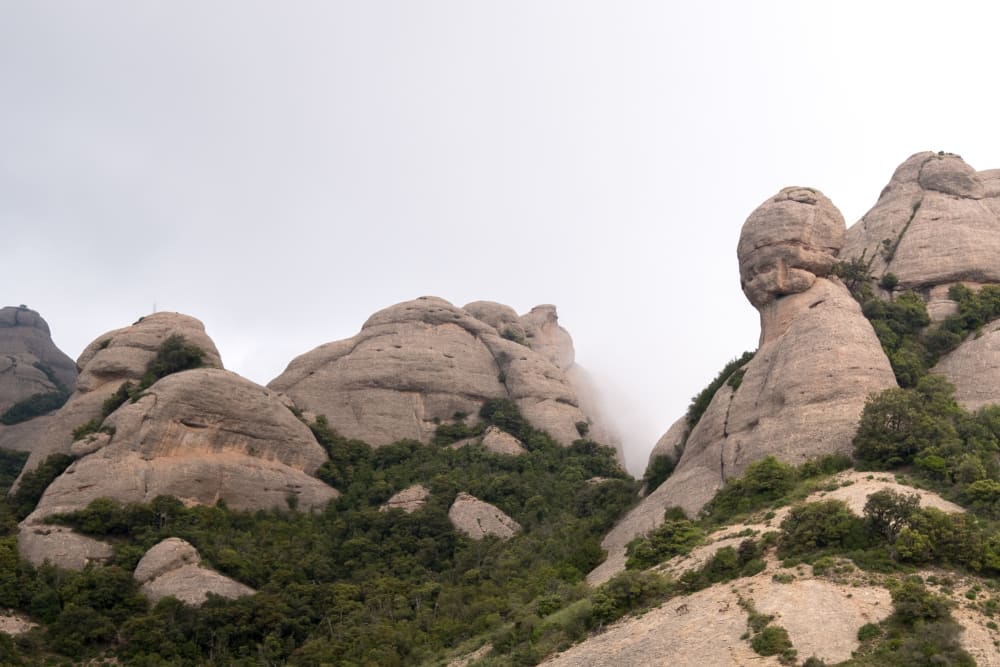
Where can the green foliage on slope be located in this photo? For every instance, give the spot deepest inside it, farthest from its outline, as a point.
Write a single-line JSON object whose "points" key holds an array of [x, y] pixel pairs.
{"points": [[37, 404], [353, 585]]}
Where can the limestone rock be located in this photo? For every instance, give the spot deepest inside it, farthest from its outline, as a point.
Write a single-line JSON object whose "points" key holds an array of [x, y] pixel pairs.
{"points": [[173, 568], [936, 223], [409, 499], [974, 368], [418, 363], [111, 359], [478, 519]]}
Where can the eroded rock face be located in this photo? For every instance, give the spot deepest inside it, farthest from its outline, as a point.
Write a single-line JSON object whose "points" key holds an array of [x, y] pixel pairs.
{"points": [[974, 368], [202, 436], [936, 223], [113, 358], [409, 499], [789, 241], [25, 341], [478, 519], [416, 364], [173, 568], [802, 393], [26, 348]]}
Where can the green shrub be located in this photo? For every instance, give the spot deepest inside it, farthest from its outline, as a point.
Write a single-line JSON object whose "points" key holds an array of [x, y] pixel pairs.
{"points": [[659, 469], [174, 355], [673, 538], [34, 483], [772, 640], [700, 402], [826, 524], [764, 481], [868, 631]]}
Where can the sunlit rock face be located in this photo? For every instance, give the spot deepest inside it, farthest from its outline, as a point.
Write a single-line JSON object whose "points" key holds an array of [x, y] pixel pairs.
{"points": [[203, 435], [936, 223], [801, 395], [113, 358], [417, 364]]}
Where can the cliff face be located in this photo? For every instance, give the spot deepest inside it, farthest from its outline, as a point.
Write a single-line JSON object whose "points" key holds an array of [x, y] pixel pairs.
{"points": [[35, 376], [418, 363], [935, 224]]}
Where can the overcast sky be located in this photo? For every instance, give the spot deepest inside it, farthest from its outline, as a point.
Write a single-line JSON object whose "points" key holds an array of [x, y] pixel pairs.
{"points": [[282, 170]]}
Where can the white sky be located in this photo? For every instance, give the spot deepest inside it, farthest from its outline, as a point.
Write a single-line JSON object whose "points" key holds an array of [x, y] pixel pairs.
{"points": [[281, 170]]}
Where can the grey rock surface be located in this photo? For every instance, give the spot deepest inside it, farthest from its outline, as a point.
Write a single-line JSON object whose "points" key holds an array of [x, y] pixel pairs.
{"points": [[974, 368], [418, 363], [801, 395], [202, 436], [173, 568], [409, 499], [111, 359], [479, 519], [936, 223]]}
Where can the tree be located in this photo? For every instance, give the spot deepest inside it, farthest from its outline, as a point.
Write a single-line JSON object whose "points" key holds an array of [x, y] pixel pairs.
{"points": [[887, 512]]}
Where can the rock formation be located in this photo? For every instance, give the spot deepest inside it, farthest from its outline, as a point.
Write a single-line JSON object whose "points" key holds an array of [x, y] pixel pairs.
{"points": [[496, 441], [202, 435], [30, 365], [173, 568], [477, 519], [418, 363], [974, 368], [802, 393], [116, 357], [409, 499], [936, 223], [25, 344]]}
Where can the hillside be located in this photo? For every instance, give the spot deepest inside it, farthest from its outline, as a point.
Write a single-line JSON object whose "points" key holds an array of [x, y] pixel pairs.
{"points": [[444, 488]]}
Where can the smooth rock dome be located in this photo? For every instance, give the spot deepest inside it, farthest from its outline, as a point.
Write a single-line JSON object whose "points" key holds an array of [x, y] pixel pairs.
{"points": [[789, 241]]}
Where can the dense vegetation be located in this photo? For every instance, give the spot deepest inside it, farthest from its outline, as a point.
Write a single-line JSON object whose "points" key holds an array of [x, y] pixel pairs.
{"points": [[353, 585]]}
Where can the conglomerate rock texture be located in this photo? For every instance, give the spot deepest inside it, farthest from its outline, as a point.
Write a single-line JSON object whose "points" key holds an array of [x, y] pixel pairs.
{"points": [[479, 519], [802, 393], [203, 435], [417, 364], [113, 358], [936, 223], [173, 568], [26, 348], [26, 343]]}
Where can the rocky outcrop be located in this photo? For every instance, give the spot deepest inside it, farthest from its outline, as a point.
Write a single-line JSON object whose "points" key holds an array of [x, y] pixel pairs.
{"points": [[802, 393], [496, 441], [418, 363], [25, 344], [30, 365], [116, 357], [936, 223], [974, 368], [173, 568], [478, 519], [203, 436], [409, 499]]}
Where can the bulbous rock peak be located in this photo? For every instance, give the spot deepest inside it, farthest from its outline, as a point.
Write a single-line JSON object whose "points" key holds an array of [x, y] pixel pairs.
{"points": [[787, 242]]}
